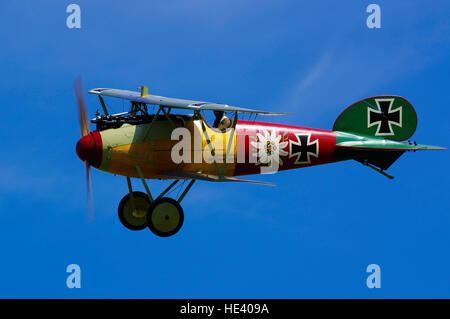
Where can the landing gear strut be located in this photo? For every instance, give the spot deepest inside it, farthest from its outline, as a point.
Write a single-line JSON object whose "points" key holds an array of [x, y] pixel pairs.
{"points": [[164, 216]]}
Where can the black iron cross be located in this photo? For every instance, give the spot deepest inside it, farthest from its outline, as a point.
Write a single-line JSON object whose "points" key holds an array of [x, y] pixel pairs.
{"points": [[384, 117], [304, 149]]}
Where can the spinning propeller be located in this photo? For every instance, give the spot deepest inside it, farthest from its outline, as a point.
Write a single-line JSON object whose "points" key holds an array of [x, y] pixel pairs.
{"points": [[85, 146]]}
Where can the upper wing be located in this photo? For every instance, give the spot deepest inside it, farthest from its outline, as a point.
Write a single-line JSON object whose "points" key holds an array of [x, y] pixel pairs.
{"points": [[176, 103]]}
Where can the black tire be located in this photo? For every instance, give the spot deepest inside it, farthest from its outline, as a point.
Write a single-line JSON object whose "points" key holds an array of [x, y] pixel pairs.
{"points": [[165, 217], [126, 216]]}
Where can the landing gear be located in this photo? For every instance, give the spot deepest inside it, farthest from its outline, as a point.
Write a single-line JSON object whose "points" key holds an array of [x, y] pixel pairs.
{"points": [[133, 209], [165, 217]]}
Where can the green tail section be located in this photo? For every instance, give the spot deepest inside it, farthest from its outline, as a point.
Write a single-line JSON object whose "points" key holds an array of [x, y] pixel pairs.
{"points": [[371, 130], [388, 117]]}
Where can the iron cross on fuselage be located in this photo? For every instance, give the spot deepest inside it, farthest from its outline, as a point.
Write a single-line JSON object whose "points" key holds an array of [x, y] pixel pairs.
{"points": [[304, 148]]}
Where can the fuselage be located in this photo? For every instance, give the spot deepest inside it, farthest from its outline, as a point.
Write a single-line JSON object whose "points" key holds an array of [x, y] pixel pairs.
{"points": [[252, 148]]}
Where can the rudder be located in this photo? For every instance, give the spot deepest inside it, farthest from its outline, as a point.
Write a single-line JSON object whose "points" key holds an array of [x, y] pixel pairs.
{"points": [[390, 117]]}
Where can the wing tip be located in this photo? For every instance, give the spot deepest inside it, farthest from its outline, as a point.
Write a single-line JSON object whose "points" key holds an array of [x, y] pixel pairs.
{"points": [[97, 91]]}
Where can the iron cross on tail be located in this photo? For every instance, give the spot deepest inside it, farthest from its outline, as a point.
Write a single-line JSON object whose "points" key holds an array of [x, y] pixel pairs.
{"points": [[185, 147]]}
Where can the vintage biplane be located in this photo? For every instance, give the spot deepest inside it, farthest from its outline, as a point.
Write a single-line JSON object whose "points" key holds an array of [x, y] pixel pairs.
{"points": [[139, 144]]}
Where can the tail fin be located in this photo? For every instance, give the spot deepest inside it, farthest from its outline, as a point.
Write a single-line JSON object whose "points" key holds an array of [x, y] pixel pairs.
{"points": [[370, 131], [389, 117]]}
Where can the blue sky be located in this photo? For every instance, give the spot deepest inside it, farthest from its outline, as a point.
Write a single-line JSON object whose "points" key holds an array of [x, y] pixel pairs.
{"points": [[311, 236]]}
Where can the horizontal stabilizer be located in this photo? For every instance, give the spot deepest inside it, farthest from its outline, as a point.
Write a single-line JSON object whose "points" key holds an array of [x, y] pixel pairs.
{"points": [[376, 151], [349, 140], [210, 178]]}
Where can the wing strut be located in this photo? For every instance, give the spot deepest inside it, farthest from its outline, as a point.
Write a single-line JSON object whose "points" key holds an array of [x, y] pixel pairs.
{"points": [[230, 141], [220, 170], [208, 141], [105, 111], [149, 128]]}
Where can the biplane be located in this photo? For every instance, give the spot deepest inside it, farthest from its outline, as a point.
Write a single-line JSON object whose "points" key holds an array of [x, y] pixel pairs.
{"points": [[168, 145]]}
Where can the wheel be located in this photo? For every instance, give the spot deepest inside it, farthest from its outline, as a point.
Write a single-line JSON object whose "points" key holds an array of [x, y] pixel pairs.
{"points": [[165, 217], [134, 220]]}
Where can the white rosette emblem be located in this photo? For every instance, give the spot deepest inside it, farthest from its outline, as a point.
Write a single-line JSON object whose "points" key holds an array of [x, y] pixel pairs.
{"points": [[270, 148]]}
